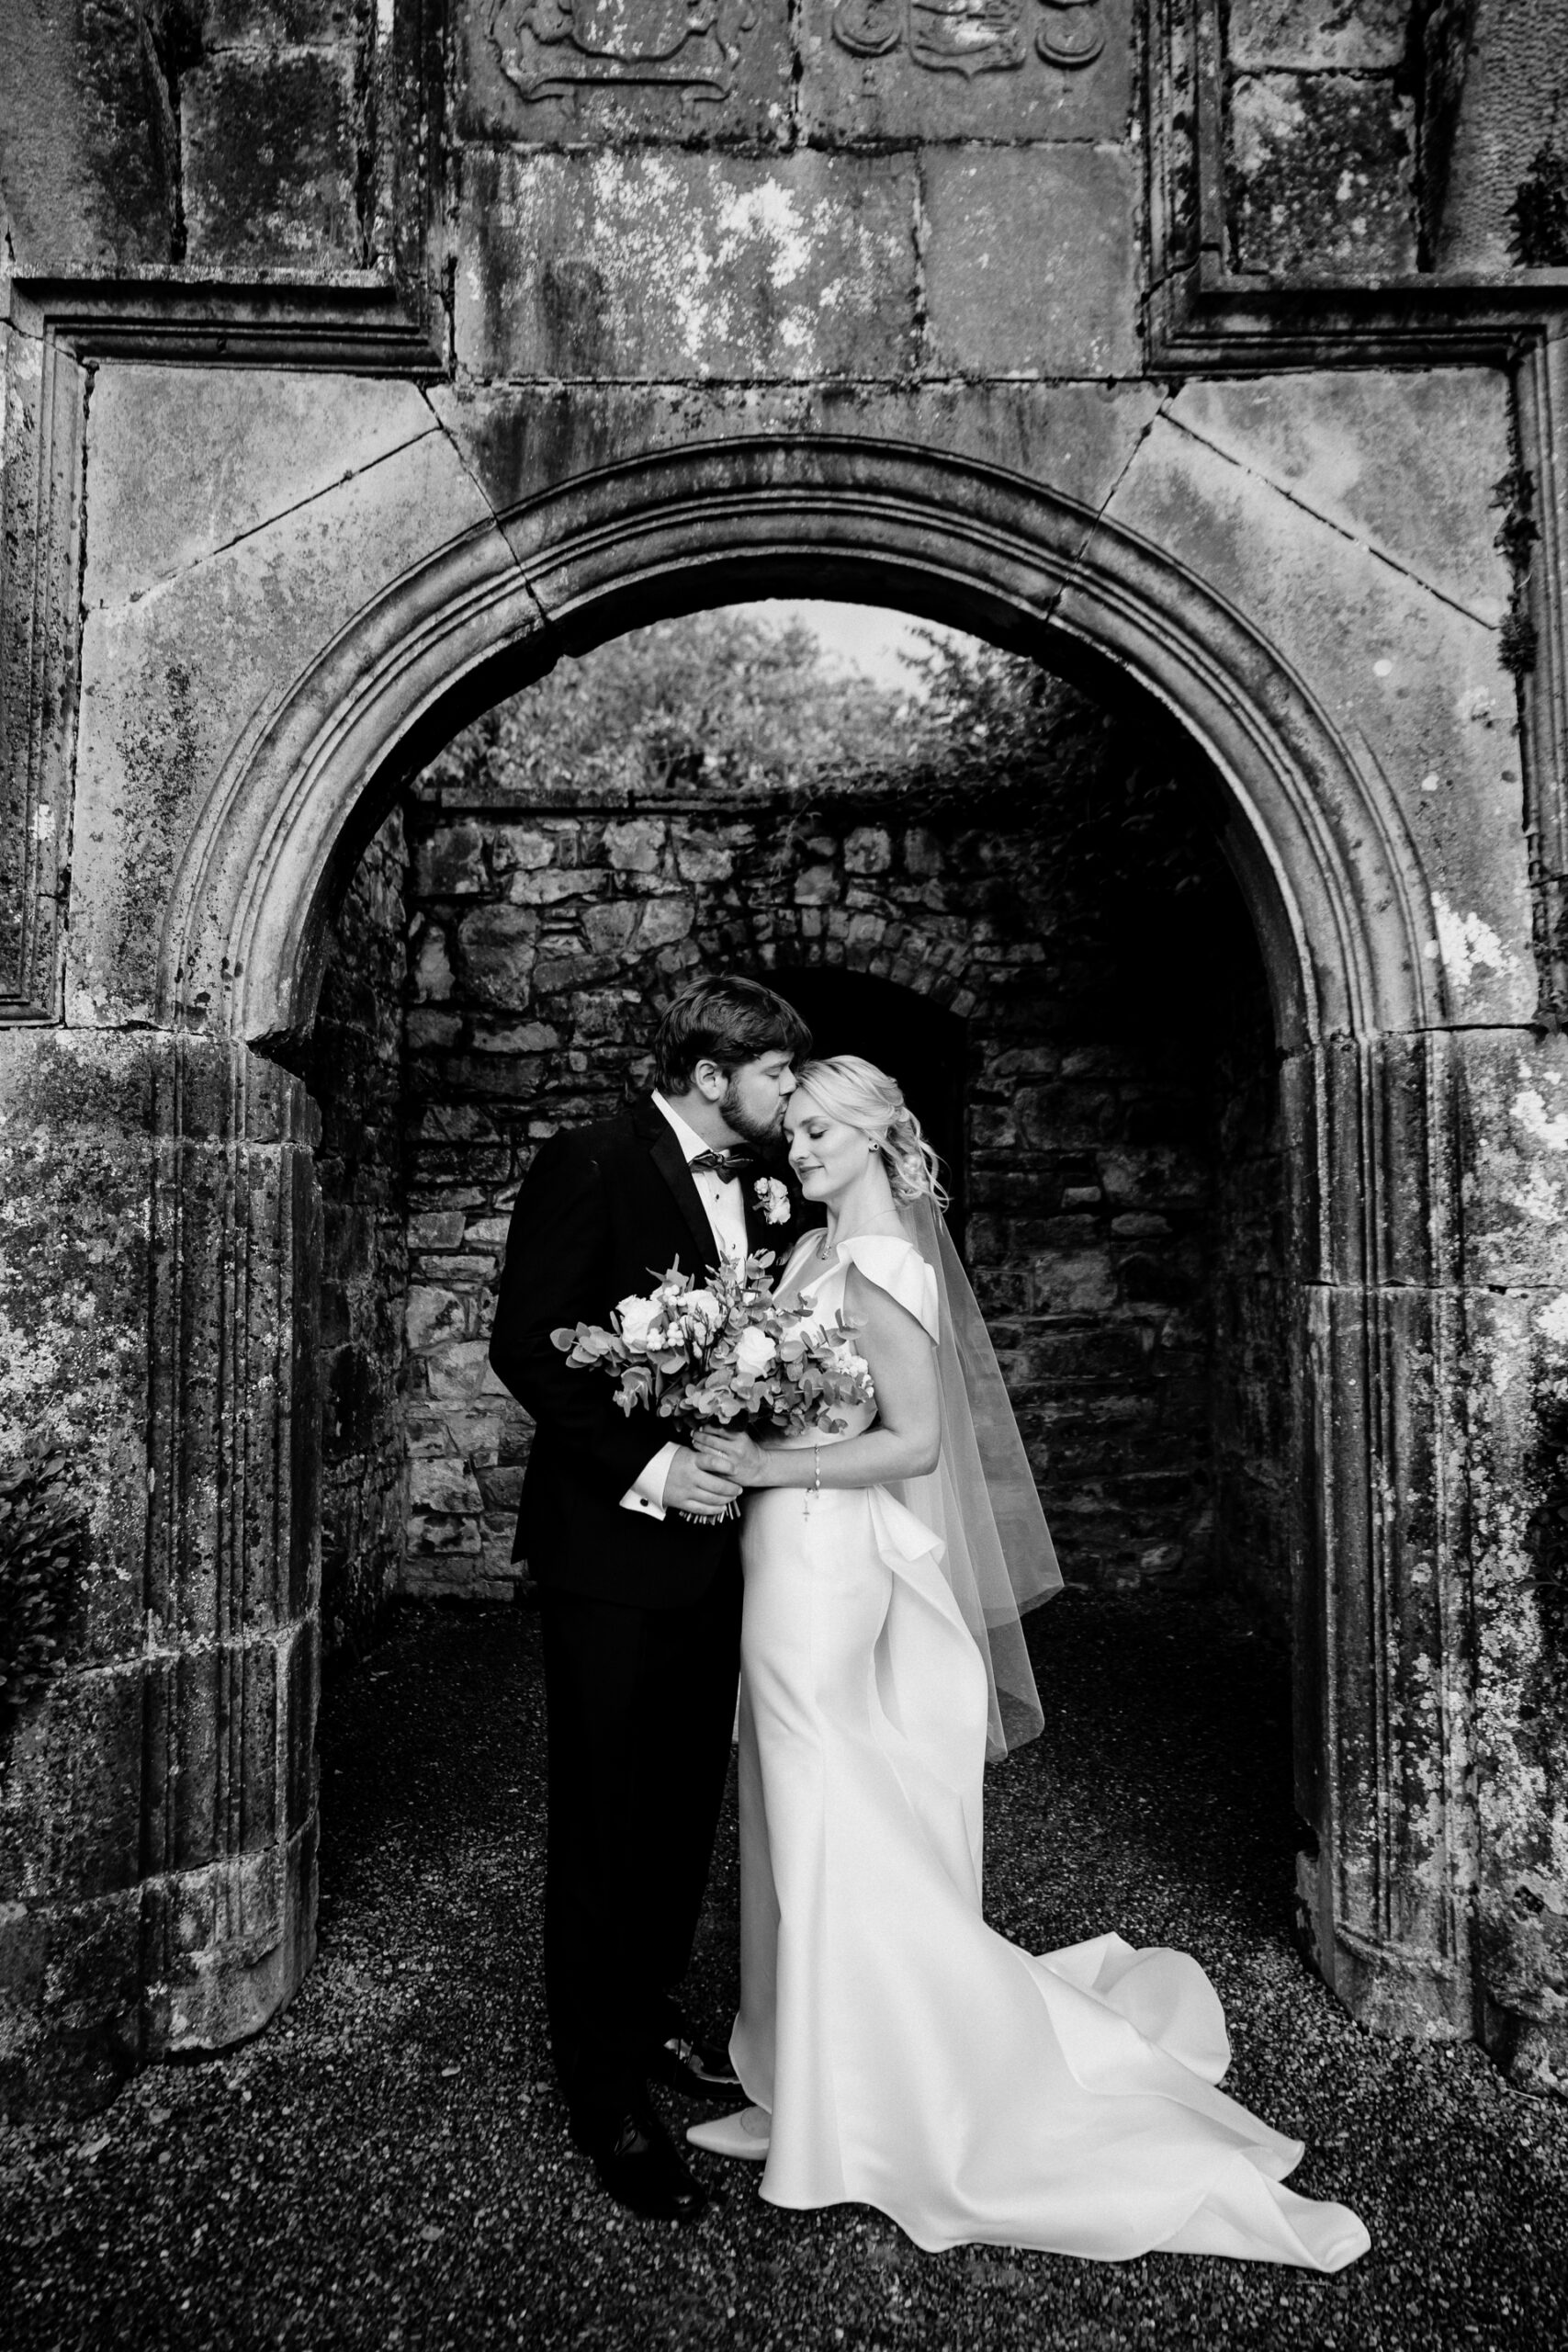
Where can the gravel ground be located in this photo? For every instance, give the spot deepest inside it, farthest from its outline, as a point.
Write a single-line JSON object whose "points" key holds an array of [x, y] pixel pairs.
{"points": [[387, 2165]]}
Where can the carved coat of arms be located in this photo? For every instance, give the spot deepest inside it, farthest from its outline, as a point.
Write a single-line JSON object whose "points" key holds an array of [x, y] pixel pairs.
{"points": [[969, 37], [548, 49]]}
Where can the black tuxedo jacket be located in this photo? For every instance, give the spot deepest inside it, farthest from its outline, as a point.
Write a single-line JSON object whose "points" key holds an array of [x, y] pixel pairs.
{"points": [[604, 1212]]}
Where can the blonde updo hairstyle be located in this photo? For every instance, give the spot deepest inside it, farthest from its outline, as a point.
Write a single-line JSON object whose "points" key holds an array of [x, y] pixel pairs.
{"points": [[863, 1096]]}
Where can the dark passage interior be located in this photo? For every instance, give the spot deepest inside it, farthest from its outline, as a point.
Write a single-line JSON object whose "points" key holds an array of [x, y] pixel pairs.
{"points": [[925, 1047]]}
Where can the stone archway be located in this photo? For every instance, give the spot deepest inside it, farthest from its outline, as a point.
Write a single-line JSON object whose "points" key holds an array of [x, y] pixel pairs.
{"points": [[1343, 917], [1330, 870]]}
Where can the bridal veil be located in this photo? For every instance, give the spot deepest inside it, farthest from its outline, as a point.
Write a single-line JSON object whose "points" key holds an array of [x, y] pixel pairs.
{"points": [[998, 1556]]}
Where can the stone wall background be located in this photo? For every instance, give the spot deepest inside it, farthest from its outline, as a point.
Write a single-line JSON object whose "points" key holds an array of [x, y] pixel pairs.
{"points": [[566, 874]]}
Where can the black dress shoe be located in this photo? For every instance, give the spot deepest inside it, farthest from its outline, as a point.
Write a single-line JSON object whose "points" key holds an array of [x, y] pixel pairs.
{"points": [[694, 2067], [637, 2161]]}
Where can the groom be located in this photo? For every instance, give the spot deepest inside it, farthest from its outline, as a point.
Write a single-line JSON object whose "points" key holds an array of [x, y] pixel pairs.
{"points": [[639, 1577]]}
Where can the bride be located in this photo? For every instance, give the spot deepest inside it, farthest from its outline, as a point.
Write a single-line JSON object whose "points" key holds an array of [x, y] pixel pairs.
{"points": [[896, 2050]]}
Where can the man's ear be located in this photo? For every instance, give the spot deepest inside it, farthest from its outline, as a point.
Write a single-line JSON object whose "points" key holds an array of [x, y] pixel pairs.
{"points": [[709, 1081]]}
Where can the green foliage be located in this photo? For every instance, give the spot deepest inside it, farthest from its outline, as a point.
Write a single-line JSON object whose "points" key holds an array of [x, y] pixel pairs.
{"points": [[1539, 211], [715, 701], [42, 1539], [1001, 739], [1514, 496], [988, 715]]}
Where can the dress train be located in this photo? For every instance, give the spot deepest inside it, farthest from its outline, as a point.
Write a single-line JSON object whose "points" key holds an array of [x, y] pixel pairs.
{"points": [[911, 2058]]}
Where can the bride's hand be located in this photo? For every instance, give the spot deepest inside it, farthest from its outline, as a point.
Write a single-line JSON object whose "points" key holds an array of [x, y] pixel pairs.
{"points": [[731, 1454]]}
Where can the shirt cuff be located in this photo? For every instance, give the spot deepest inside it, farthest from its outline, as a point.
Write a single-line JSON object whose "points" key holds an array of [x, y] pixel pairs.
{"points": [[646, 1492]]}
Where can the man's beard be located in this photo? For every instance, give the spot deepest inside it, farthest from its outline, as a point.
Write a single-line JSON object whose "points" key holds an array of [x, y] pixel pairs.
{"points": [[741, 1121]]}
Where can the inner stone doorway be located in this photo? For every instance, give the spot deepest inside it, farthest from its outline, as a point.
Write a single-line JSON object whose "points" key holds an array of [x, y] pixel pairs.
{"points": [[1016, 900]]}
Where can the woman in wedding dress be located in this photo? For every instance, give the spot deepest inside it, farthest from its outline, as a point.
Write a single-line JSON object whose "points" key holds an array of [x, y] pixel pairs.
{"points": [[896, 2050]]}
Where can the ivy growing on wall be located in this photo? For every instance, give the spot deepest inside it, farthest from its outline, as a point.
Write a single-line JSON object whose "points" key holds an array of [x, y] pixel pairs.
{"points": [[1539, 213]]}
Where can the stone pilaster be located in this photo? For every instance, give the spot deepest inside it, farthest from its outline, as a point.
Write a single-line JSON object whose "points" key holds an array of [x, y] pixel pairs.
{"points": [[157, 1824]]}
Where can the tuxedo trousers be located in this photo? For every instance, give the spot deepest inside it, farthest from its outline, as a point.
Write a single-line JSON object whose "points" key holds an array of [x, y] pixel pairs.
{"points": [[640, 1707]]}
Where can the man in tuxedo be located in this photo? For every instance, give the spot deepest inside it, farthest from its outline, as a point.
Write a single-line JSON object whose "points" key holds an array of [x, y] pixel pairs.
{"points": [[639, 1575]]}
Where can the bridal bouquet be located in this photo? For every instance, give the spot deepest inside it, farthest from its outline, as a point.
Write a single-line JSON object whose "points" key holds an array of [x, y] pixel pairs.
{"points": [[718, 1350]]}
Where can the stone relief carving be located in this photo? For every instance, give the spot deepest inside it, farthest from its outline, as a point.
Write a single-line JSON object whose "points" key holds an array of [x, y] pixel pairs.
{"points": [[969, 37], [949, 36], [1072, 34], [548, 49]]}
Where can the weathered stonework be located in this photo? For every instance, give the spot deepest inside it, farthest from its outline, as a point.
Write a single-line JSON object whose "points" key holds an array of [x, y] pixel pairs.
{"points": [[158, 1813], [664, 265], [353, 376], [1321, 173], [527, 75]]}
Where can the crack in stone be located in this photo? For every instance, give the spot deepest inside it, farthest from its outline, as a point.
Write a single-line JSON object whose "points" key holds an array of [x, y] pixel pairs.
{"points": [[753, 150], [158, 587], [794, 36], [1340, 530], [1098, 518], [921, 231], [478, 483], [811, 386]]}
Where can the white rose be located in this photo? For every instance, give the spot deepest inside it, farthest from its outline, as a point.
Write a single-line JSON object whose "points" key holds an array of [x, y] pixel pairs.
{"points": [[636, 1318], [702, 1306], [754, 1355], [773, 1199]]}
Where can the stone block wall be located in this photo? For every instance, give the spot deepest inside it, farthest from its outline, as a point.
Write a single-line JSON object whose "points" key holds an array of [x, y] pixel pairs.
{"points": [[794, 189], [1321, 152], [550, 919], [208, 132], [1394, 138], [157, 1834], [76, 1184], [356, 1073]]}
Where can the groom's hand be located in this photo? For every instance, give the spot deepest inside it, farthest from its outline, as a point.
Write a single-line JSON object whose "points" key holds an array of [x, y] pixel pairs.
{"points": [[691, 1488]]}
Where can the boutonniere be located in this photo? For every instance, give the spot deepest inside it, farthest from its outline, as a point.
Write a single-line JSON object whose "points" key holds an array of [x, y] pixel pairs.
{"points": [[773, 1199]]}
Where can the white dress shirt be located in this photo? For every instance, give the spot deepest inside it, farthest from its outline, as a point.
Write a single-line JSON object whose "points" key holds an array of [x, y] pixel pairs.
{"points": [[722, 1197]]}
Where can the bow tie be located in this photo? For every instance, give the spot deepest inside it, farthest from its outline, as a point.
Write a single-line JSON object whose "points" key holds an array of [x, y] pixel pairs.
{"points": [[723, 1164]]}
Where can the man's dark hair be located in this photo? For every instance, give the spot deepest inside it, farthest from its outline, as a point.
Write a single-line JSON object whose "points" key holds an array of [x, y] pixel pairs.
{"points": [[728, 1021]]}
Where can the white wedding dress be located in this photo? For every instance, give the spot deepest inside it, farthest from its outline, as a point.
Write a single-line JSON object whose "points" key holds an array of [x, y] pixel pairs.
{"points": [[910, 2058]]}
